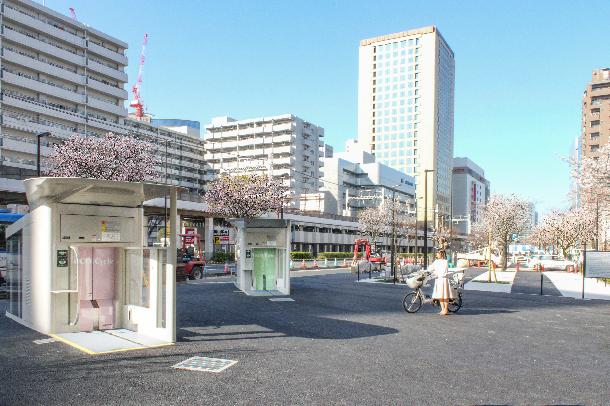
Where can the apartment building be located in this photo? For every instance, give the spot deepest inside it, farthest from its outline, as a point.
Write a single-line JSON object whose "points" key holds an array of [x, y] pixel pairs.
{"points": [[286, 146], [63, 77], [596, 113], [406, 86], [354, 180], [471, 192]]}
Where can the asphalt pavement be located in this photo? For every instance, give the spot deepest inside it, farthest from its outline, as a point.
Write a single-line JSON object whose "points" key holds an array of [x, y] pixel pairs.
{"points": [[339, 342]]}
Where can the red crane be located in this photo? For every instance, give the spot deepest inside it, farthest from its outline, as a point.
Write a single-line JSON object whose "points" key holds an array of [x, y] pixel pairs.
{"points": [[137, 102]]}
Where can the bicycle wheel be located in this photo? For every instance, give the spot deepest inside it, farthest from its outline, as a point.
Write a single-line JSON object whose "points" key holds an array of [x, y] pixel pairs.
{"points": [[411, 302], [455, 304]]}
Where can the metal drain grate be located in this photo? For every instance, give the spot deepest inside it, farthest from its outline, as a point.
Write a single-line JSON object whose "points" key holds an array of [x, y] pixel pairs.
{"points": [[281, 299], [205, 364]]}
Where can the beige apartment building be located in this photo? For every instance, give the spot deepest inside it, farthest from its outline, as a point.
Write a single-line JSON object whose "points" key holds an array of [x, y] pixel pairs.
{"points": [[596, 113], [406, 86]]}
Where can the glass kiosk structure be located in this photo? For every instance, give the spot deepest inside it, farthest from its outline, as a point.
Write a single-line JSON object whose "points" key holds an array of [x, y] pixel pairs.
{"points": [[77, 264], [262, 254]]}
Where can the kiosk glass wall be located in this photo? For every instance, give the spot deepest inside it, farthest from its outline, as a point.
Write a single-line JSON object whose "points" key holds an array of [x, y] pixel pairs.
{"points": [[14, 272]]}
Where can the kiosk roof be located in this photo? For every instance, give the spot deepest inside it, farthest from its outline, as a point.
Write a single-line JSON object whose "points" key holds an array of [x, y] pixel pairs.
{"points": [[43, 190]]}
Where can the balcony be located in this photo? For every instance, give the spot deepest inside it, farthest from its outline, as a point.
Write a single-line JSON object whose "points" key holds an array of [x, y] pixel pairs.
{"points": [[37, 127], [106, 125], [107, 107], [107, 53], [43, 27], [42, 67], [107, 89], [40, 87], [42, 46], [24, 146], [283, 127], [108, 71], [42, 108]]}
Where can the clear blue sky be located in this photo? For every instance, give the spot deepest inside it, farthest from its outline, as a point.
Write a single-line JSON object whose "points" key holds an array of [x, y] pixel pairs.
{"points": [[521, 68]]}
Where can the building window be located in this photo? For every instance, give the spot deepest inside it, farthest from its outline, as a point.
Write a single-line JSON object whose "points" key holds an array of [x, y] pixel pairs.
{"points": [[594, 148], [594, 123], [594, 136]]}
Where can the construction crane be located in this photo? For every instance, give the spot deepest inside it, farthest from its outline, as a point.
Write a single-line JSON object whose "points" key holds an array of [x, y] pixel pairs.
{"points": [[73, 14], [137, 102]]}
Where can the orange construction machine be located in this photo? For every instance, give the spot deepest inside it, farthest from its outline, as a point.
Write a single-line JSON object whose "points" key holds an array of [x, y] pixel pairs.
{"points": [[363, 245]]}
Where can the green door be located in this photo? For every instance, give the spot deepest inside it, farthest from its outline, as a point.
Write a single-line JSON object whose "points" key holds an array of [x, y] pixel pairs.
{"points": [[264, 268]]}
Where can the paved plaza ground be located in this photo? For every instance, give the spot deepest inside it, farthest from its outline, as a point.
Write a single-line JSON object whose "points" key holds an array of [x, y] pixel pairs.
{"points": [[338, 342]]}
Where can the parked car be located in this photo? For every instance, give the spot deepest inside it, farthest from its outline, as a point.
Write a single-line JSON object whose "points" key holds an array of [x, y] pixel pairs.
{"points": [[550, 262]]}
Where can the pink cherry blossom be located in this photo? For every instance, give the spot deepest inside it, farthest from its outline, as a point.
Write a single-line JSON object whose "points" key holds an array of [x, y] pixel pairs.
{"points": [[245, 196], [112, 157]]}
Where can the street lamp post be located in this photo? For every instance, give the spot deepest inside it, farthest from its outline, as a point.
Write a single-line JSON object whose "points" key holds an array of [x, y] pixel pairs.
{"points": [[426, 171], [39, 136]]}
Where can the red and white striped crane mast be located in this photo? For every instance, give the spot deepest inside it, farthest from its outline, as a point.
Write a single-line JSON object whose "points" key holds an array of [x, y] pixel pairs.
{"points": [[137, 102]]}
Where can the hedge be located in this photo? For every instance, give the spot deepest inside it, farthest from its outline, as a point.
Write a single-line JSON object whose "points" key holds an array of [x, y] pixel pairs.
{"points": [[294, 255], [333, 255], [222, 257]]}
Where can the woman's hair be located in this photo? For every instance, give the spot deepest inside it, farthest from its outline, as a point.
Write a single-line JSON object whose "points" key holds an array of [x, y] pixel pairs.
{"points": [[442, 254]]}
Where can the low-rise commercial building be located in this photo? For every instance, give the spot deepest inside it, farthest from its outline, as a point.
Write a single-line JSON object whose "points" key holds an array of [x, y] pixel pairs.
{"points": [[354, 180]]}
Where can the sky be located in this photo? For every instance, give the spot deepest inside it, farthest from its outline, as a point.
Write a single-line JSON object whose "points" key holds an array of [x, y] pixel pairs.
{"points": [[521, 69]]}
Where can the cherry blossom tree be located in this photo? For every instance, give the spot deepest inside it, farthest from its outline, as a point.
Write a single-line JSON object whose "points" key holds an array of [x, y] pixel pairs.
{"points": [[245, 196], [375, 222], [565, 229], [111, 157], [504, 216], [592, 177], [478, 237]]}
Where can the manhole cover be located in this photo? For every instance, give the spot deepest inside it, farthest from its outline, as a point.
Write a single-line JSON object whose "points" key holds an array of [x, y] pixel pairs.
{"points": [[281, 299], [205, 364]]}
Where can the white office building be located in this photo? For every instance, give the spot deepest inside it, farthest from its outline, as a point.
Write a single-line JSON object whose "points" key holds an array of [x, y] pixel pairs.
{"points": [[353, 180], [64, 77], [405, 109], [286, 146], [471, 192]]}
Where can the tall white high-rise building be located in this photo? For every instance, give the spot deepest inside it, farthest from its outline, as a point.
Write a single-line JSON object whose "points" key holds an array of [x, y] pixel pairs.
{"points": [[405, 110]]}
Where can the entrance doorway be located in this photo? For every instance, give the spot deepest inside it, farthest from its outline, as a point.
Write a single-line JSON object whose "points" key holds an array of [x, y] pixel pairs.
{"points": [[97, 274]]}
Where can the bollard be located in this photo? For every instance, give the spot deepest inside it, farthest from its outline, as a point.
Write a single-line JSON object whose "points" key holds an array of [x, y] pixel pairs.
{"points": [[517, 267], [226, 270], [344, 261], [303, 264], [335, 262], [315, 263], [325, 262]]}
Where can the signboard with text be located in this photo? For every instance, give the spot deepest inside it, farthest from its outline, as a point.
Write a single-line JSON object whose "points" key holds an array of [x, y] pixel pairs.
{"points": [[598, 264]]}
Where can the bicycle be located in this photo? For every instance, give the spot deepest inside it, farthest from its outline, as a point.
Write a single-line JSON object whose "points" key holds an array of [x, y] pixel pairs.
{"points": [[414, 300]]}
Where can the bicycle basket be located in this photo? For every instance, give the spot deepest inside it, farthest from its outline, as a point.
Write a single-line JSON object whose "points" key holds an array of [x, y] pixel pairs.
{"points": [[415, 281]]}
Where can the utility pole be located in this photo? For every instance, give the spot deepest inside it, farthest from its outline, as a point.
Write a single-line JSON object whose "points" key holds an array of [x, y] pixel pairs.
{"points": [[393, 266], [426, 171]]}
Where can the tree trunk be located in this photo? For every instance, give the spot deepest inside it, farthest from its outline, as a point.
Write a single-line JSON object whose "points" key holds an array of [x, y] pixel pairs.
{"points": [[504, 255]]}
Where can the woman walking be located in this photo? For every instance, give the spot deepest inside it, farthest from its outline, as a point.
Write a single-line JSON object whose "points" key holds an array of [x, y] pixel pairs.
{"points": [[442, 289]]}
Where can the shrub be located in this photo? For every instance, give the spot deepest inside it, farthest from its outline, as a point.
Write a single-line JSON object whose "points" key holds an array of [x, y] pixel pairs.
{"points": [[222, 257], [295, 255], [333, 255]]}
